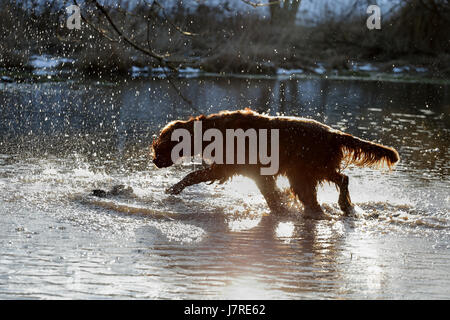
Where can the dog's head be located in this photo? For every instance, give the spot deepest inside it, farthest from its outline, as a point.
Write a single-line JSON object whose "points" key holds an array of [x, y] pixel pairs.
{"points": [[163, 145]]}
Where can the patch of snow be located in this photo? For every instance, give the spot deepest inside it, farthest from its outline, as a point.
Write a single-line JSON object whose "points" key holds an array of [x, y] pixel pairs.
{"points": [[320, 69], [146, 72], [160, 72], [45, 72], [427, 112], [367, 67], [46, 61], [400, 69], [355, 66], [189, 72], [421, 69], [6, 79], [137, 71], [282, 71]]}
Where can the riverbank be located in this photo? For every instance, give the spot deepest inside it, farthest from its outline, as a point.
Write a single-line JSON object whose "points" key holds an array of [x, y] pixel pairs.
{"points": [[237, 44], [47, 68]]}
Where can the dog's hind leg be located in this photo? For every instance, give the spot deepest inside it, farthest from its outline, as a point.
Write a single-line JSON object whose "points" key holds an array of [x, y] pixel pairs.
{"points": [[196, 177], [306, 191], [341, 181]]}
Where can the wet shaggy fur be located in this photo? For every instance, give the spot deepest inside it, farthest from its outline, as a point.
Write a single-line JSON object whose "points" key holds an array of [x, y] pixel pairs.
{"points": [[310, 153]]}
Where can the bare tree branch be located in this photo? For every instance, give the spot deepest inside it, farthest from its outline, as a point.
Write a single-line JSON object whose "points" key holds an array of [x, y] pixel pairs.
{"points": [[185, 33], [180, 94], [161, 58], [101, 32]]}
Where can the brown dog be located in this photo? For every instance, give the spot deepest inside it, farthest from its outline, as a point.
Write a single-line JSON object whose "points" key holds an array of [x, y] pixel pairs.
{"points": [[309, 153]]}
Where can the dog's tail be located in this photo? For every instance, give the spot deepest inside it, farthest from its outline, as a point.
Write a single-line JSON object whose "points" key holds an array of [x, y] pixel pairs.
{"points": [[365, 153]]}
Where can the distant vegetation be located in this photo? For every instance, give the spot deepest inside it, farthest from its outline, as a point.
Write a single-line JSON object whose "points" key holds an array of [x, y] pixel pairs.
{"points": [[416, 33]]}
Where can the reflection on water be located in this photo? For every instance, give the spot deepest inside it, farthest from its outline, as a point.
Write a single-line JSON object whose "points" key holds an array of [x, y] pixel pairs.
{"points": [[60, 140]]}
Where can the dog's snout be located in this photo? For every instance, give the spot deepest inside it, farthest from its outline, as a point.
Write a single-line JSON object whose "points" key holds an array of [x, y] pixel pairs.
{"points": [[160, 163], [156, 162]]}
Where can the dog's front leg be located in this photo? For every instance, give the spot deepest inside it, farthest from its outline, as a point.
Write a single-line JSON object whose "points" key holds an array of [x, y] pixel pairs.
{"points": [[268, 187], [196, 177]]}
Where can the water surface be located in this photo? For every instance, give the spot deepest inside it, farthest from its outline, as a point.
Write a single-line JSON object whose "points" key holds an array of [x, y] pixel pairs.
{"points": [[61, 140]]}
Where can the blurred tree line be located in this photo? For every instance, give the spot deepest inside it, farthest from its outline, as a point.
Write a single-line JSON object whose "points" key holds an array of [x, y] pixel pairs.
{"points": [[416, 31]]}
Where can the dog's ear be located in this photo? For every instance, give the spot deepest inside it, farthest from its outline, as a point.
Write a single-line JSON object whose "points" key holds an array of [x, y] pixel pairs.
{"points": [[155, 142]]}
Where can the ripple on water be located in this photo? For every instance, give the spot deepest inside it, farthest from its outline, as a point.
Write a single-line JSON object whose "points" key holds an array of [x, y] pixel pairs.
{"points": [[218, 241]]}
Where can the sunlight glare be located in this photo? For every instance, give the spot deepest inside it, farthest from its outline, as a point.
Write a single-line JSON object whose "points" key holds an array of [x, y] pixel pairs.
{"points": [[246, 288], [282, 182], [242, 186], [243, 224], [285, 230]]}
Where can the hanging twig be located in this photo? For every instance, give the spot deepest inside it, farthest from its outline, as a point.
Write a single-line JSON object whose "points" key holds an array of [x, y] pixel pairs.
{"points": [[101, 32], [161, 58], [183, 97], [185, 33]]}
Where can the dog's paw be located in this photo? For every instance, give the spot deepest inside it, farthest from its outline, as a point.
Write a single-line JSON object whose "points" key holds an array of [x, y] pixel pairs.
{"points": [[320, 216], [356, 212], [349, 211], [316, 215]]}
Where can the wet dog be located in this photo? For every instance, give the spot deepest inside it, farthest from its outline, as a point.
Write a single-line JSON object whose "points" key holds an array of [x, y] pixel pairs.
{"points": [[310, 153]]}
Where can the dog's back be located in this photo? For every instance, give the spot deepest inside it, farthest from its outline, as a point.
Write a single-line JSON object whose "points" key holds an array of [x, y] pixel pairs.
{"points": [[311, 145]]}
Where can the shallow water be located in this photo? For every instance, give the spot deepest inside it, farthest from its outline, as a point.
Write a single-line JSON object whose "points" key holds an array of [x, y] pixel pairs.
{"points": [[61, 140]]}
